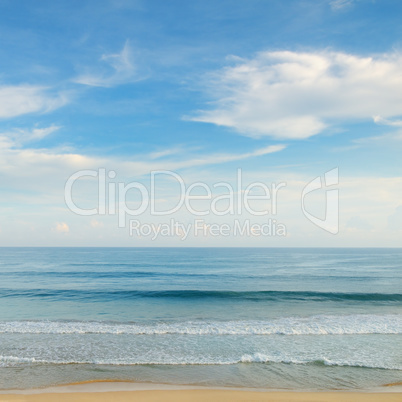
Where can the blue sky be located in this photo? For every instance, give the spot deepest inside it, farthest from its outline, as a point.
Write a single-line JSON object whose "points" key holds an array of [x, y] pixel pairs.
{"points": [[286, 91]]}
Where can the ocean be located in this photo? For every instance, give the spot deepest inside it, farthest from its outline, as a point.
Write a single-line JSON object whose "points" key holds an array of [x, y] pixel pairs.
{"points": [[306, 319]]}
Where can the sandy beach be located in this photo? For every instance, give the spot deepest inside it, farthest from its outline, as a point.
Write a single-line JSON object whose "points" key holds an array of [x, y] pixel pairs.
{"points": [[204, 395], [106, 391]]}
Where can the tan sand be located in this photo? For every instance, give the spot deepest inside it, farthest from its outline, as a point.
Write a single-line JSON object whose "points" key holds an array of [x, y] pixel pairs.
{"points": [[194, 395]]}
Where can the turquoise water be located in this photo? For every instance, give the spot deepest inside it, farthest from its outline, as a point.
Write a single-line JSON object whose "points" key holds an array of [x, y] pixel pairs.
{"points": [[271, 318]]}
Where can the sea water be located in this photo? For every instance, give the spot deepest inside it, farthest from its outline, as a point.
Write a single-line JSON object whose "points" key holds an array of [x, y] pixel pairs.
{"points": [[252, 317]]}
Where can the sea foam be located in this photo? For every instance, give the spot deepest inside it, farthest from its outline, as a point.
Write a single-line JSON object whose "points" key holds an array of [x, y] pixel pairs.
{"points": [[313, 325]]}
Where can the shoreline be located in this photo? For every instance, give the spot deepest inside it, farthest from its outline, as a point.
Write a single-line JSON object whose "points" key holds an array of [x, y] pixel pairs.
{"points": [[126, 392], [122, 386]]}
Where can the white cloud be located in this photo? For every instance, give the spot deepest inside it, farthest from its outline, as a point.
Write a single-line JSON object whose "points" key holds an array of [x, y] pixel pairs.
{"points": [[40, 133], [23, 99], [165, 152], [387, 122], [18, 137], [385, 140], [223, 158], [22, 166], [340, 4], [119, 68], [96, 224], [62, 227], [297, 95]]}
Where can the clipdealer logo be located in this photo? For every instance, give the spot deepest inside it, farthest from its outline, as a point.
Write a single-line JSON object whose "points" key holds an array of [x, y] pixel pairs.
{"points": [[199, 199]]}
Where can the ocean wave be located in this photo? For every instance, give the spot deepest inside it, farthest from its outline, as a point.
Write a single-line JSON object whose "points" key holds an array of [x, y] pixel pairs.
{"points": [[313, 325], [263, 358], [280, 296], [112, 274], [96, 274], [256, 358]]}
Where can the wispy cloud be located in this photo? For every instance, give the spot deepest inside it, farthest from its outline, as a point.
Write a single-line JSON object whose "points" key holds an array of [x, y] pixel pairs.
{"points": [[340, 4], [224, 158], [22, 164], [24, 99], [40, 133], [165, 152], [62, 227], [19, 136], [118, 68], [387, 122], [297, 95], [391, 139]]}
